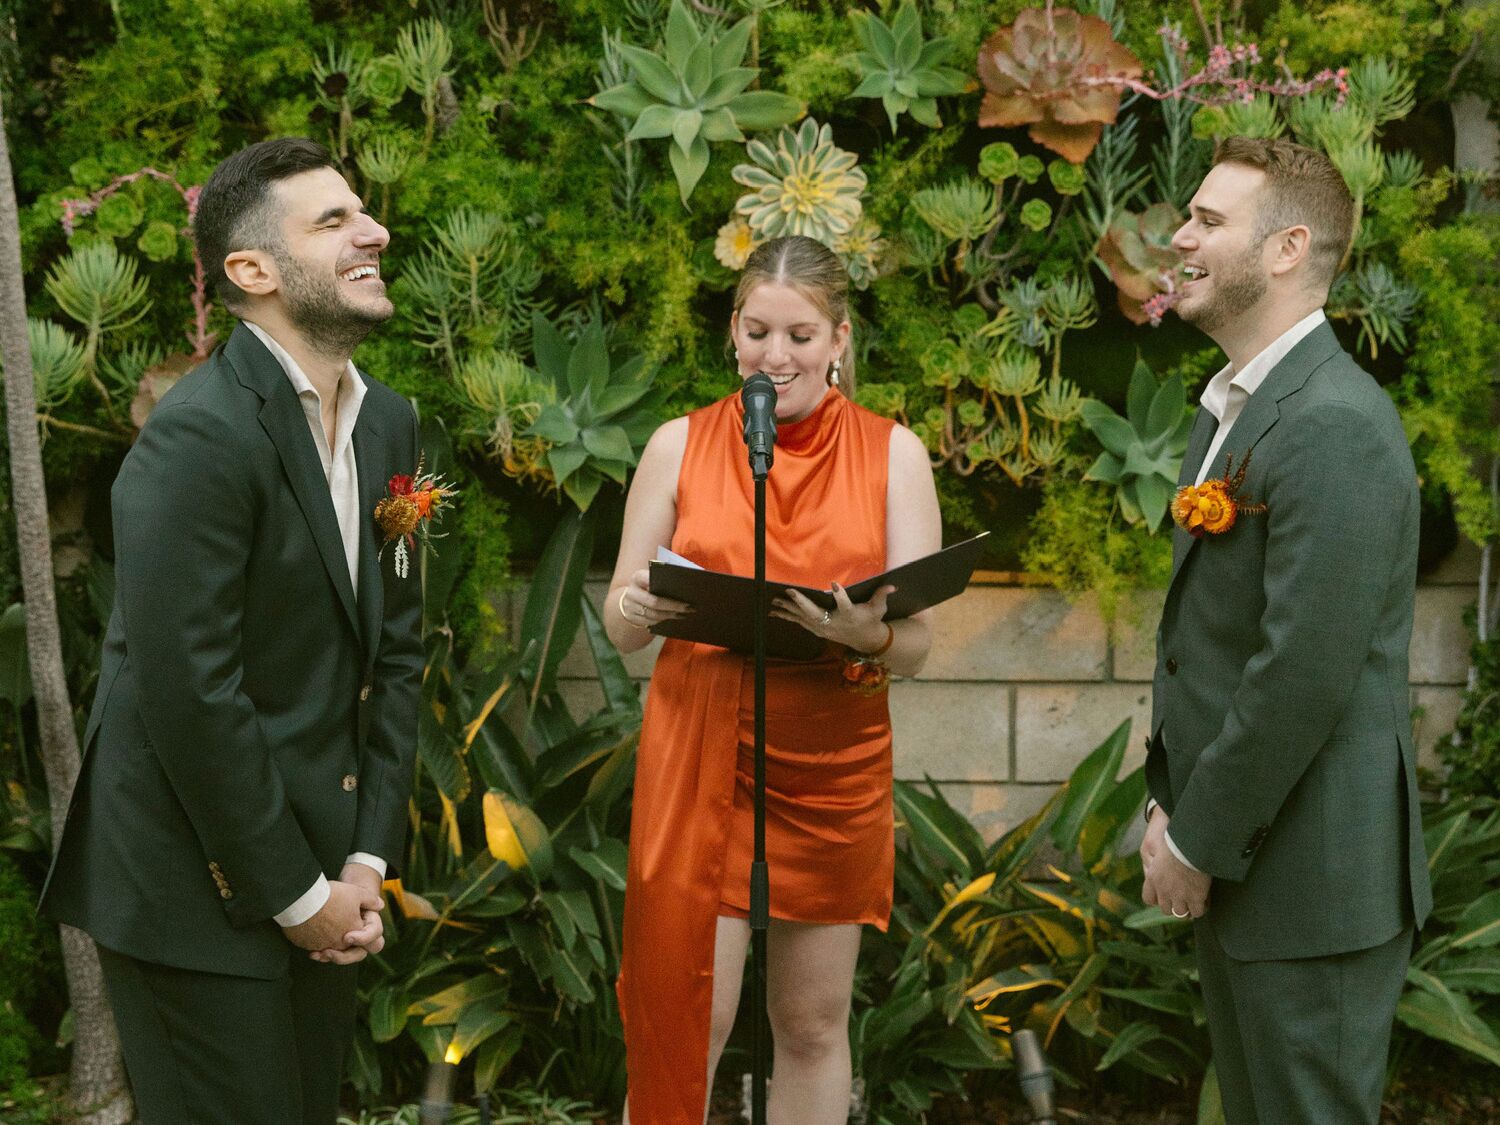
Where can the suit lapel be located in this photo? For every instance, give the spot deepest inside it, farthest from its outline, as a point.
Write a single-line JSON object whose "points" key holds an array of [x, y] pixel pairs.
{"points": [[1259, 415], [372, 486], [1205, 425], [284, 422]]}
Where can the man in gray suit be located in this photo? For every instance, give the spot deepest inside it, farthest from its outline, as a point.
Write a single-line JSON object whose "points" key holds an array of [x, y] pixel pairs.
{"points": [[1284, 814]]}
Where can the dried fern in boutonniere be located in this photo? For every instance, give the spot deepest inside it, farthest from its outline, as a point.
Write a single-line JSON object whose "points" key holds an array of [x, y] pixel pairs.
{"points": [[408, 514], [1212, 507]]}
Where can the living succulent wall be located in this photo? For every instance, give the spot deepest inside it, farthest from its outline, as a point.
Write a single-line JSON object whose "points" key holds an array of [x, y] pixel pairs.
{"points": [[571, 188]]}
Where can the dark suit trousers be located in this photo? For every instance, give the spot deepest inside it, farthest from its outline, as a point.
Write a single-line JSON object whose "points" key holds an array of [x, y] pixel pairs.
{"points": [[1302, 1042], [214, 1049]]}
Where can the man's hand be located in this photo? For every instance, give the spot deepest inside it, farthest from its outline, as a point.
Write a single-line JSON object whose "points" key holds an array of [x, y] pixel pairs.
{"points": [[369, 936], [1170, 884], [340, 915]]}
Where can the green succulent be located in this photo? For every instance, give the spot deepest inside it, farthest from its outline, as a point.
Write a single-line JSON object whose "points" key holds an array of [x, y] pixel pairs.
{"points": [[1142, 451], [805, 185], [998, 162], [118, 215], [697, 93], [57, 362], [597, 425], [900, 69], [158, 241], [1067, 178], [861, 249], [1036, 214], [100, 290], [1256, 118], [962, 211], [1031, 168], [382, 80]]}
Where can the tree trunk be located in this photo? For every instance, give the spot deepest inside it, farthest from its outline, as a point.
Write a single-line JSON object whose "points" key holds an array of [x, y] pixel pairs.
{"points": [[97, 1088]]}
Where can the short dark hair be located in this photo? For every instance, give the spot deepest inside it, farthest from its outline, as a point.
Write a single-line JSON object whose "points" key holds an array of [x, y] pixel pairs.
{"points": [[234, 211], [1303, 188]]}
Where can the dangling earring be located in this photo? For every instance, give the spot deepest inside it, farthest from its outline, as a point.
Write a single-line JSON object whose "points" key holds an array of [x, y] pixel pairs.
{"points": [[833, 376], [736, 355]]}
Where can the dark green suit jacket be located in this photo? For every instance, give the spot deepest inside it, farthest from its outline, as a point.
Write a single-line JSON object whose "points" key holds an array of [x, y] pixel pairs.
{"points": [[1281, 736], [254, 723]]}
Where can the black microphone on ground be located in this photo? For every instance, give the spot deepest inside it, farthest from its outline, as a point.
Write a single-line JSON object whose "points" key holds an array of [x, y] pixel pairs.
{"points": [[1035, 1075], [759, 397]]}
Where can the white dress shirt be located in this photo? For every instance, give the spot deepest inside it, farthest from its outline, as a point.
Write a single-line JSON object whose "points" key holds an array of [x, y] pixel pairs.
{"points": [[1225, 398], [342, 474]]}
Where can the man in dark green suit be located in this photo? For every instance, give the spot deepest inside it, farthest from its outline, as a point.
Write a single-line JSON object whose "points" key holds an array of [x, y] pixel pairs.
{"points": [[1284, 813], [248, 758]]}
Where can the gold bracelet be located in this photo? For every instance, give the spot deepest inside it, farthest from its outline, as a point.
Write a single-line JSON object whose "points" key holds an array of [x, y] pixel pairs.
{"points": [[625, 617]]}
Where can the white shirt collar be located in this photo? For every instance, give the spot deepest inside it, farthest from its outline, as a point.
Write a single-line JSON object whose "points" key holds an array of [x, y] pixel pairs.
{"points": [[351, 390], [1253, 374]]}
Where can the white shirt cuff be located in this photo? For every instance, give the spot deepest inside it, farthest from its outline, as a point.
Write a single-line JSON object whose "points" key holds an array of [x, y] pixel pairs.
{"points": [[306, 906], [372, 861], [1182, 859]]}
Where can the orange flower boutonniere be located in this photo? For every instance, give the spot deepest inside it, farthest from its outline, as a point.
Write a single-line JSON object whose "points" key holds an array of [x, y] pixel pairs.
{"points": [[407, 514], [1212, 507]]}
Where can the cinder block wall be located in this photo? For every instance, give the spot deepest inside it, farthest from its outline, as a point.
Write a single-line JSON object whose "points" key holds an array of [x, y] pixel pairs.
{"points": [[1022, 684]]}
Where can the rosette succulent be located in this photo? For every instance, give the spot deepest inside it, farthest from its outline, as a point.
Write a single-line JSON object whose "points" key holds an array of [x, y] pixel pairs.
{"points": [[861, 250], [697, 93], [804, 185], [901, 70], [1142, 451], [1137, 250], [1036, 72]]}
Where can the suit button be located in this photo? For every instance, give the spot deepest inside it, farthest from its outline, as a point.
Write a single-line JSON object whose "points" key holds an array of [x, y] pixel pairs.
{"points": [[364, 694], [350, 783], [225, 893], [1171, 667]]}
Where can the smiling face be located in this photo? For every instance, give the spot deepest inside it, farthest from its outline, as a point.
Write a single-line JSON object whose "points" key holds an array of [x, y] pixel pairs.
{"points": [[1224, 252], [778, 330]]}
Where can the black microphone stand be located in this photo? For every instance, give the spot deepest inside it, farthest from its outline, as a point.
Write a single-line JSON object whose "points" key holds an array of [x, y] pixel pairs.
{"points": [[760, 882]]}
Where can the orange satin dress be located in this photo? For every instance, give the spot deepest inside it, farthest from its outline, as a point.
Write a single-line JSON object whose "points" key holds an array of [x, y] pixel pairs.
{"points": [[829, 824]]}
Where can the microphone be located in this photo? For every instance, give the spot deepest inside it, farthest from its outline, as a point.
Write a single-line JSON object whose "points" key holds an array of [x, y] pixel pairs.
{"points": [[759, 398]]}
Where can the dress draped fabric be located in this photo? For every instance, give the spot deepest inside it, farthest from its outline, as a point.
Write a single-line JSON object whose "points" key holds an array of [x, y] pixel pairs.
{"points": [[829, 823]]}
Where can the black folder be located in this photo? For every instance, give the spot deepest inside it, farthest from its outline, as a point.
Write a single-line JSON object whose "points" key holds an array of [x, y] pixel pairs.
{"points": [[725, 603]]}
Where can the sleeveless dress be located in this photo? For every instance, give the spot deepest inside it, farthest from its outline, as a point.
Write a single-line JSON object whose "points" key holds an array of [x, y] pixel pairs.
{"points": [[829, 823]]}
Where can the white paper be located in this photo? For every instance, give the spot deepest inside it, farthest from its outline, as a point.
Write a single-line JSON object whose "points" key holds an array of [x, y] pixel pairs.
{"points": [[667, 555]]}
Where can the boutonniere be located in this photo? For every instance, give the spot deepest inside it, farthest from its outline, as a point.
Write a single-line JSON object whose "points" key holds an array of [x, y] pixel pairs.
{"points": [[1212, 507], [407, 514]]}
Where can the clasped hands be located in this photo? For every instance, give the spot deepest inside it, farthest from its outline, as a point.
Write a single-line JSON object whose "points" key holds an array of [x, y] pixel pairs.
{"points": [[1170, 885], [348, 928]]}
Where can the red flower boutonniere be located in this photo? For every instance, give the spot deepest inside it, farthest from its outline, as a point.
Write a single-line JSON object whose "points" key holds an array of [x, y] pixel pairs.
{"points": [[1212, 507], [408, 513]]}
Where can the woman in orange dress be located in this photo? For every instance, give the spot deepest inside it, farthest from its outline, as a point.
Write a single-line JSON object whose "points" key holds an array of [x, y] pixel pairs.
{"points": [[850, 495]]}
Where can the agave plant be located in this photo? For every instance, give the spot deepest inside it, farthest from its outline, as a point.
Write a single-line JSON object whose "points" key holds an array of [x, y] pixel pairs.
{"points": [[57, 362], [962, 211], [1380, 303], [697, 93], [1041, 71], [1142, 451], [804, 185], [100, 290], [596, 427], [902, 70], [1137, 250]]}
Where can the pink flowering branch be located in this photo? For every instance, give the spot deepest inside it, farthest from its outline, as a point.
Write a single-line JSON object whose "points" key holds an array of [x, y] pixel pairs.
{"points": [[199, 337], [1224, 78]]}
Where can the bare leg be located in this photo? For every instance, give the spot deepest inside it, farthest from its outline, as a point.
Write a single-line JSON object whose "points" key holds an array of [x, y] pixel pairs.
{"points": [[731, 940], [811, 978]]}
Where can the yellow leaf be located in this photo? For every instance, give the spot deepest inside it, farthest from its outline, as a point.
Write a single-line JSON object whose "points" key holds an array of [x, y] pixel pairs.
{"points": [[471, 729], [411, 905], [450, 824], [453, 1055], [500, 832]]}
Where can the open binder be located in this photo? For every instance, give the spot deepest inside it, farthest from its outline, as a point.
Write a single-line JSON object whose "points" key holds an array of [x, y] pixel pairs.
{"points": [[725, 603]]}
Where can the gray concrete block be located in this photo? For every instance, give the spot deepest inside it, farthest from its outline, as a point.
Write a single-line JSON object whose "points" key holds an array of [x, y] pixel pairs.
{"points": [[1435, 712], [1058, 725], [1134, 636], [951, 732], [1440, 640], [1460, 568], [1010, 633]]}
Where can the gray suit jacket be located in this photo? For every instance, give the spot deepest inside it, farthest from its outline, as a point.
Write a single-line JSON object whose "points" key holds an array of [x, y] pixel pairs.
{"points": [[254, 723], [1281, 735]]}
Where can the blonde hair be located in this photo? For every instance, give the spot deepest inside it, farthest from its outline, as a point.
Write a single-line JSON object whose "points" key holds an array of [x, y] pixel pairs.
{"points": [[1303, 188], [814, 271]]}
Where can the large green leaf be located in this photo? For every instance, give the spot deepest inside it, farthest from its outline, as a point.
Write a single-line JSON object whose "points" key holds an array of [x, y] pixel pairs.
{"points": [[439, 750], [608, 443], [1141, 394], [1113, 432], [621, 695], [444, 1006], [654, 74], [729, 50], [495, 1055], [1155, 495], [1437, 1011], [553, 605], [479, 1021], [607, 862], [1480, 924], [15, 670], [387, 1011], [940, 830], [1131, 1037], [551, 351], [628, 100], [689, 166], [1472, 972], [1210, 1101], [1167, 407], [1088, 788], [765, 109]]}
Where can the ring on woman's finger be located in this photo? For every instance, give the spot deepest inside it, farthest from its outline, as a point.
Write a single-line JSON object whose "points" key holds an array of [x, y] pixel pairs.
{"points": [[826, 618], [1184, 914]]}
